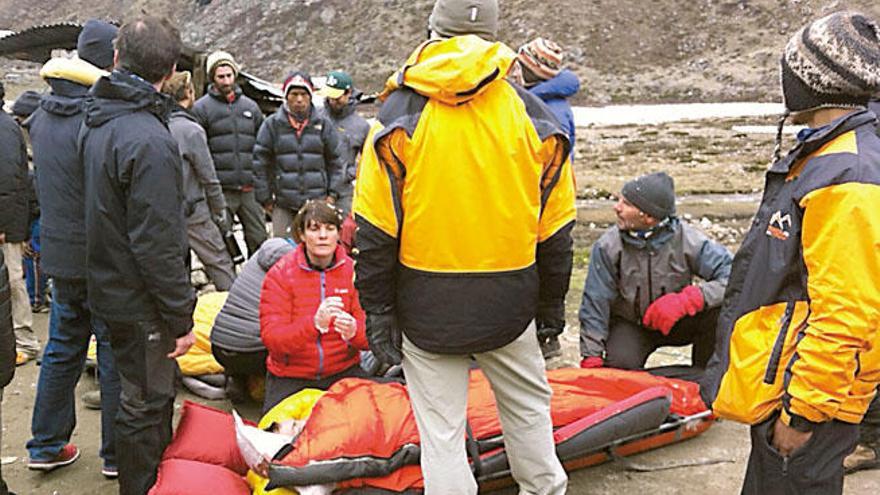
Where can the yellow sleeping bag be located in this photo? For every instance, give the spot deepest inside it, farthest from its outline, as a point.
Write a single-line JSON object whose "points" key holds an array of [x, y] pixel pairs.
{"points": [[199, 360]]}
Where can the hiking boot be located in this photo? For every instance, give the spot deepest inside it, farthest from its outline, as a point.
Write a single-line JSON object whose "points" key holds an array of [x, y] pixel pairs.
{"points": [[91, 399], [110, 472], [551, 348], [68, 455], [40, 308], [864, 457]]}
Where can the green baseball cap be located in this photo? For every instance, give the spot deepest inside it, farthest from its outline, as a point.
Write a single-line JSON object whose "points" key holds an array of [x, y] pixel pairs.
{"points": [[337, 84]]}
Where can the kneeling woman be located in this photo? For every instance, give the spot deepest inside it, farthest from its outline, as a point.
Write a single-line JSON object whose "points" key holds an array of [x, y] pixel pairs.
{"points": [[310, 318]]}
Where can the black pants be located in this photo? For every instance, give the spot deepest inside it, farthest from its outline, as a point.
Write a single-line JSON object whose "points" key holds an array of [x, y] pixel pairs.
{"points": [[869, 430], [630, 344], [240, 364], [146, 404], [279, 388], [816, 468]]}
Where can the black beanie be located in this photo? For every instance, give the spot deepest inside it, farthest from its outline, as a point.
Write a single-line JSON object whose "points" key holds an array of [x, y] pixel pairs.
{"points": [[832, 62], [654, 194], [26, 104], [95, 43]]}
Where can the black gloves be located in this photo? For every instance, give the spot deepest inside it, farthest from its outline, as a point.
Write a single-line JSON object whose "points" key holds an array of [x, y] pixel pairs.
{"points": [[223, 221], [549, 329], [384, 337]]}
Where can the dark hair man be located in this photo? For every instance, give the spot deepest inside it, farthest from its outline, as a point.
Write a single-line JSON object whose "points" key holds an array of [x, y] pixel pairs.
{"points": [[454, 135], [231, 121], [136, 244], [339, 107], [54, 129], [640, 293], [297, 156], [797, 355]]}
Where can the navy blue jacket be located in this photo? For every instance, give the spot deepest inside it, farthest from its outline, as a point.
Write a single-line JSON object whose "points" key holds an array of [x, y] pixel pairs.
{"points": [[53, 129], [555, 93], [136, 242], [7, 336], [14, 182]]}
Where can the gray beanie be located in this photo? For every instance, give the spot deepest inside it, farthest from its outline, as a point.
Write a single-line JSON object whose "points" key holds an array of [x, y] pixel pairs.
{"points": [[654, 194], [460, 17], [95, 43], [831, 62]]}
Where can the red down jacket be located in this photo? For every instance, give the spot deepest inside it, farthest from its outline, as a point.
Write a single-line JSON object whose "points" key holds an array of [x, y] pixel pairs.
{"points": [[342, 447], [291, 294]]}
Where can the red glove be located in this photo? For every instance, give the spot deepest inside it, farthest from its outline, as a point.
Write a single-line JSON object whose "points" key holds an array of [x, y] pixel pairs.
{"points": [[666, 310], [592, 362]]}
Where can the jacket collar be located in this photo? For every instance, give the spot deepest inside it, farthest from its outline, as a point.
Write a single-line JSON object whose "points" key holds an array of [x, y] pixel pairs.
{"points": [[822, 136], [303, 262], [652, 238]]}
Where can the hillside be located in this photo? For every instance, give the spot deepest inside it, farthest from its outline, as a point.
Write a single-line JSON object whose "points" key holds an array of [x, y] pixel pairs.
{"points": [[624, 50]]}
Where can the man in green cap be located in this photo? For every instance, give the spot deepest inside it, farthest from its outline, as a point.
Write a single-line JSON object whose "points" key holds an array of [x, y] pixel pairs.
{"points": [[340, 101]]}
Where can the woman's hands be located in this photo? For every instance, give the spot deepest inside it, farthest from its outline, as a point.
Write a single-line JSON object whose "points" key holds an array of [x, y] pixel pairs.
{"points": [[332, 316]]}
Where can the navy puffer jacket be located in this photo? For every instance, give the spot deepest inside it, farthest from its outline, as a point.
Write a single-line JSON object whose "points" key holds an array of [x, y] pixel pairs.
{"points": [[290, 169]]}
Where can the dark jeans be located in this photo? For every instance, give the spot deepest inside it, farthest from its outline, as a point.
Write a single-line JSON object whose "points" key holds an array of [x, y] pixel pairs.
{"points": [[71, 325], [869, 430], [143, 424], [240, 364], [816, 468], [629, 344], [279, 388]]}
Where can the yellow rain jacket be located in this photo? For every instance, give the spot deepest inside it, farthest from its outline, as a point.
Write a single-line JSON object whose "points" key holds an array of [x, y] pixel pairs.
{"points": [[798, 330], [464, 202]]}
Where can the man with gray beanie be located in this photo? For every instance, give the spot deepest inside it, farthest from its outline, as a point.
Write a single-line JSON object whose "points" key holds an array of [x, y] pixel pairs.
{"points": [[54, 128], [464, 240], [797, 355], [640, 292], [231, 121]]}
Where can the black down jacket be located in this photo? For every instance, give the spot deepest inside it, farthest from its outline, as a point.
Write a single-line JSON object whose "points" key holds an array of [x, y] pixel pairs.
{"points": [[231, 129], [136, 240], [14, 181], [289, 169]]}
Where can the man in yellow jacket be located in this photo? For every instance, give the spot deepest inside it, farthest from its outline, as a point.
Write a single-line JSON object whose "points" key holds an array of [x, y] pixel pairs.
{"points": [[798, 355], [465, 203]]}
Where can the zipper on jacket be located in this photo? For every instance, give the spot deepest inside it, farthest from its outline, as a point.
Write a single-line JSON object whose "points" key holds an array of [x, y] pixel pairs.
{"points": [[637, 304], [235, 140], [650, 281], [321, 347], [776, 354], [785, 465]]}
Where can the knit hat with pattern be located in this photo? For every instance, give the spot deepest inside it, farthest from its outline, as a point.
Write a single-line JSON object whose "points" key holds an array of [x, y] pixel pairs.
{"points": [[542, 57], [460, 17], [832, 62]]}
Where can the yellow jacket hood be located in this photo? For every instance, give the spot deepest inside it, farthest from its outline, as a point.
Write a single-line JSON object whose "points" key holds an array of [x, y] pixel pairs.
{"points": [[453, 70], [72, 69]]}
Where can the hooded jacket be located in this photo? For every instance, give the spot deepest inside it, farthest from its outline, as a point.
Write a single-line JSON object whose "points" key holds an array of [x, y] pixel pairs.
{"points": [[555, 93], [237, 326], [14, 181], [353, 130], [290, 169], [136, 242], [292, 293], [7, 335], [232, 130], [628, 273], [54, 129], [199, 178], [464, 202], [798, 329]]}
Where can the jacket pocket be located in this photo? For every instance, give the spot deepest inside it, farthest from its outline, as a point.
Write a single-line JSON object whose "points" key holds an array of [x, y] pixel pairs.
{"points": [[778, 345]]}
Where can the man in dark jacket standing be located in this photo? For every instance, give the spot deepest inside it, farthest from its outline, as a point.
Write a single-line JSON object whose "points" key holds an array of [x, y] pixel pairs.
{"points": [[54, 130], [15, 230], [136, 240], [7, 341], [297, 156], [339, 108], [232, 121]]}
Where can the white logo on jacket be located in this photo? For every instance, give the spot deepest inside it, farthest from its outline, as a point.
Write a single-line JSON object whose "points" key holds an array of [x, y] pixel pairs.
{"points": [[778, 223]]}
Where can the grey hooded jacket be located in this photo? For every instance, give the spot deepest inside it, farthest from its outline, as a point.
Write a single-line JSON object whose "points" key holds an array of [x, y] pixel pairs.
{"points": [[201, 189], [627, 273], [237, 326]]}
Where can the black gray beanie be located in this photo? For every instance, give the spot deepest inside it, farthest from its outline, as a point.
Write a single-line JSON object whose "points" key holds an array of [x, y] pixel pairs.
{"points": [[654, 194], [95, 43], [460, 17], [832, 62]]}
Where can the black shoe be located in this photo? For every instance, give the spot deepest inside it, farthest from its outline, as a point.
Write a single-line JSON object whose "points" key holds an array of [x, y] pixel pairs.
{"points": [[551, 348]]}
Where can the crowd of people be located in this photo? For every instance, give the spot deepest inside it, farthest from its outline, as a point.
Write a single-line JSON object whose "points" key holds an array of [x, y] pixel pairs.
{"points": [[462, 197]]}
